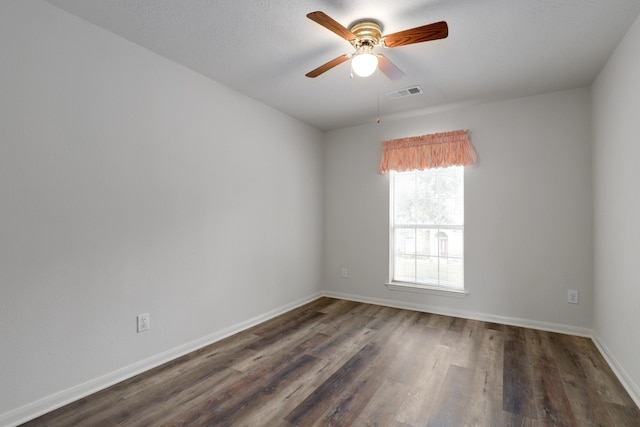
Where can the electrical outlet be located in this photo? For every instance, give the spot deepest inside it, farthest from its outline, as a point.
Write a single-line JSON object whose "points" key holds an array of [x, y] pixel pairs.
{"points": [[344, 273], [143, 322], [573, 297]]}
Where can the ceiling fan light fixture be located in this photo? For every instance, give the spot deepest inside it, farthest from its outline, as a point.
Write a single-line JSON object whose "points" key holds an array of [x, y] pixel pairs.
{"points": [[364, 62]]}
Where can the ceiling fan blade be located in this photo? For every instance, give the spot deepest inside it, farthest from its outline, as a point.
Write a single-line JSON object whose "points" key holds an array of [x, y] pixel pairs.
{"points": [[330, 24], [435, 31], [389, 69], [329, 65]]}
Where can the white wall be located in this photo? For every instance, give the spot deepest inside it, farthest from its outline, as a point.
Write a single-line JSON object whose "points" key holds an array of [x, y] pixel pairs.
{"points": [[129, 184], [616, 179], [528, 222]]}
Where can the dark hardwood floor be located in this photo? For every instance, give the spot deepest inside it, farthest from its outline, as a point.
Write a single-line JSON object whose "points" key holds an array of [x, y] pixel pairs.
{"points": [[342, 363]]}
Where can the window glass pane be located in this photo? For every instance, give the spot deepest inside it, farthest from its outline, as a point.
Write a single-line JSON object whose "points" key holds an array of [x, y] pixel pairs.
{"points": [[404, 268], [449, 182], [442, 243], [456, 243], [451, 273], [458, 211], [423, 241], [426, 198], [427, 270], [425, 211], [404, 199], [405, 241]]}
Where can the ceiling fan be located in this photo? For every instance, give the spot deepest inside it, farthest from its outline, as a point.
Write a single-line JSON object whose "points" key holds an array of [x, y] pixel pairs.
{"points": [[365, 35]]}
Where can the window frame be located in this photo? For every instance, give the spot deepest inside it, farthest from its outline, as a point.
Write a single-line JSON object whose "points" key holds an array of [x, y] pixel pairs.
{"points": [[399, 285]]}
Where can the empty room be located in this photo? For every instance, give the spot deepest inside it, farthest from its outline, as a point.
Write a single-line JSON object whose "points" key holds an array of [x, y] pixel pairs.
{"points": [[312, 213]]}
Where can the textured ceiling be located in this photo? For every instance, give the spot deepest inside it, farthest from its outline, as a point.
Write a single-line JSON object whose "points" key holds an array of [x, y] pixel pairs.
{"points": [[496, 49]]}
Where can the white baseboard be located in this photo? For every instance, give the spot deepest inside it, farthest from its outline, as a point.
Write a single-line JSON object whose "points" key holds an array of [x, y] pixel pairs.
{"points": [[628, 383], [57, 400], [525, 323]]}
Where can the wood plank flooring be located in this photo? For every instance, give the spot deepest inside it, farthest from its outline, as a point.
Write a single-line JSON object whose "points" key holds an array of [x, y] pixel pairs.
{"points": [[342, 363]]}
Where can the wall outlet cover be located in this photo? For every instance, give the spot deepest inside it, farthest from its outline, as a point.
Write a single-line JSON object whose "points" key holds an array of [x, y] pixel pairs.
{"points": [[143, 322]]}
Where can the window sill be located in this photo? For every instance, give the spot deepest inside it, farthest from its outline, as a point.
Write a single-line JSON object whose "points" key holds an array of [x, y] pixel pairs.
{"points": [[425, 289]]}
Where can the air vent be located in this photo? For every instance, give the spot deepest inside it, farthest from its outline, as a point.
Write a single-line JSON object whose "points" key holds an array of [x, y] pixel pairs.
{"points": [[401, 93]]}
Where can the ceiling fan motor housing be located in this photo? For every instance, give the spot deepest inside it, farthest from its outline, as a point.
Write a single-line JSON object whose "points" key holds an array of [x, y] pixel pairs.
{"points": [[367, 33]]}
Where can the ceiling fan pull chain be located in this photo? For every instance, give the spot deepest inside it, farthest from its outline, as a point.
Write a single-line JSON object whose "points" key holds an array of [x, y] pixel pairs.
{"points": [[378, 86]]}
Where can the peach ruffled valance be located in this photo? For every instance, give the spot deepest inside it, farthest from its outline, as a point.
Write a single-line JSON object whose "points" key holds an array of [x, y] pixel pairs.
{"points": [[437, 150]]}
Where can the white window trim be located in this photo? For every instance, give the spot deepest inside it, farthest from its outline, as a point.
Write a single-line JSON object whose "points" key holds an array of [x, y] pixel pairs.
{"points": [[426, 289]]}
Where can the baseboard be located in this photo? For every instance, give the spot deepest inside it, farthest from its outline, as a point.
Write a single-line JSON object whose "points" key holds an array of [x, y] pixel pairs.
{"points": [[525, 323], [57, 400], [627, 382]]}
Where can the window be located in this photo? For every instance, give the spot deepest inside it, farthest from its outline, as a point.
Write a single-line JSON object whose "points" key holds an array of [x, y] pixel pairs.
{"points": [[427, 228], [427, 210]]}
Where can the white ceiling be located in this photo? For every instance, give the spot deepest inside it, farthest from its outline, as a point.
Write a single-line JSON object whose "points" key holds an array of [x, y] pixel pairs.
{"points": [[496, 49]]}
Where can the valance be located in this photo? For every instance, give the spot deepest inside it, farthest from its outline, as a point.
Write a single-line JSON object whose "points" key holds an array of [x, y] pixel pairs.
{"points": [[436, 150]]}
